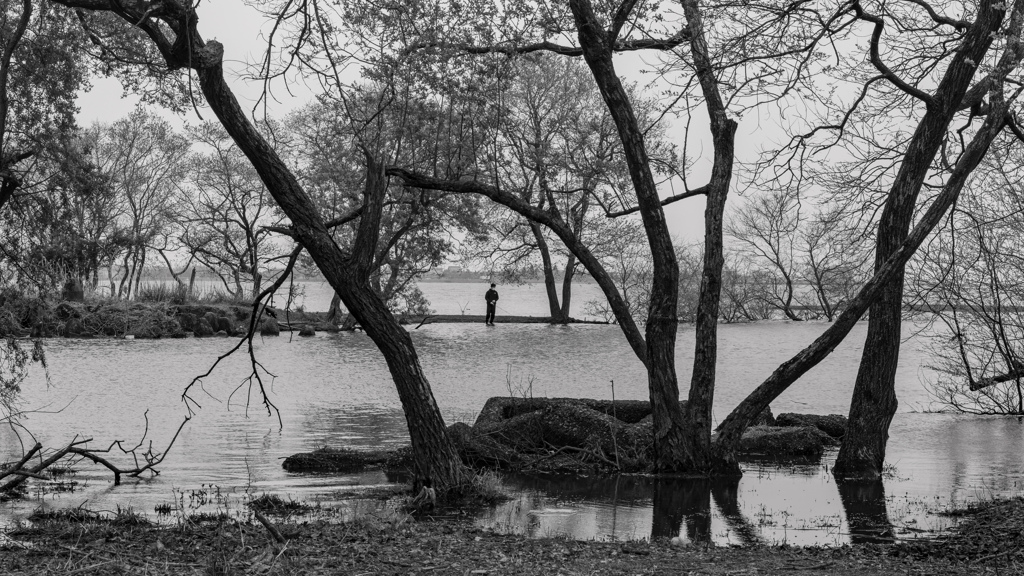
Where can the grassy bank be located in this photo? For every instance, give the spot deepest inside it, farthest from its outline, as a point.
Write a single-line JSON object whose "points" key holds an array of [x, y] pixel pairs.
{"points": [[987, 541], [149, 317]]}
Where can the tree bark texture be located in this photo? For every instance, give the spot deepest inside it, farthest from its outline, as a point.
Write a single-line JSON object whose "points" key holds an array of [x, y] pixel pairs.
{"points": [[567, 277], [554, 308], [671, 441], [705, 357], [874, 393]]}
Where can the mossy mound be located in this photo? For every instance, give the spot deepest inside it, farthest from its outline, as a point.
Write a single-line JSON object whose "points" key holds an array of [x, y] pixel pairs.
{"points": [[832, 424], [498, 409], [583, 434], [343, 460], [784, 442]]}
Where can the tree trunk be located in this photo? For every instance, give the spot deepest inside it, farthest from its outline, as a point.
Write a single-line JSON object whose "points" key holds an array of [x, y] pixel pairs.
{"points": [[549, 275], [349, 323], [570, 272], [433, 451], [700, 456], [139, 271], [874, 393], [124, 275], [335, 310], [671, 441]]}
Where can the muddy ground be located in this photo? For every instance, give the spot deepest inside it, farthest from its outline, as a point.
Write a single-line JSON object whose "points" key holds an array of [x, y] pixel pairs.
{"points": [[988, 540]]}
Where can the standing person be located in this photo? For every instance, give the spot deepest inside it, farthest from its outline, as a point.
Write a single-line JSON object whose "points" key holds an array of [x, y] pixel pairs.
{"points": [[492, 302]]}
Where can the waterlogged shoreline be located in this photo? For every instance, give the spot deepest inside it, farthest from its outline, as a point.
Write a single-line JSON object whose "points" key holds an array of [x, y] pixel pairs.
{"points": [[987, 539], [335, 390], [23, 317]]}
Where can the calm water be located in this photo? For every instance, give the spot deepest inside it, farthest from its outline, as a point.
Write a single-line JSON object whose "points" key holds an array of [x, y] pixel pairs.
{"points": [[335, 390]]}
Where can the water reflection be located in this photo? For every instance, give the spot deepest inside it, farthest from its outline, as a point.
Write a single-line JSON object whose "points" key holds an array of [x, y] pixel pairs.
{"points": [[630, 507], [726, 496], [866, 514], [682, 501]]}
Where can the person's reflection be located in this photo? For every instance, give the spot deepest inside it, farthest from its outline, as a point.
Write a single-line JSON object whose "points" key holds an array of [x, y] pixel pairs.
{"points": [[726, 495], [864, 503], [676, 500]]}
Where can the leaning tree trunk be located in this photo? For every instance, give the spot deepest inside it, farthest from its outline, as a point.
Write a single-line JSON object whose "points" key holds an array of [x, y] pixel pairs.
{"points": [[433, 450], [874, 403], [434, 453]]}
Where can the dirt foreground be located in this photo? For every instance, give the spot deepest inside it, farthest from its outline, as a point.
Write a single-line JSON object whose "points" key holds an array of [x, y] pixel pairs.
{"points": [[989, 540]]}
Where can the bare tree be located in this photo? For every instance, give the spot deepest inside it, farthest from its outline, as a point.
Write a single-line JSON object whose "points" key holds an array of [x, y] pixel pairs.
{"points": [[419, 228], [766, 227], [833, 263], [173, 36], [970, 281], [144, 160], [224, 213], [559, 156]]}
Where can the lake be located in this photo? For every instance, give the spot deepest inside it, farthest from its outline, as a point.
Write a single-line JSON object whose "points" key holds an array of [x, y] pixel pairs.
{"points": [[334, 390]]}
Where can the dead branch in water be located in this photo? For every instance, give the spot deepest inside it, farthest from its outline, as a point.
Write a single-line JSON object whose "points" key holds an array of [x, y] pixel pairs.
{"points": [[37, 460]]}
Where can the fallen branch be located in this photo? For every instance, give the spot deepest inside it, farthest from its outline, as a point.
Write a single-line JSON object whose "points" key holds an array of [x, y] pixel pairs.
{"points": [[270, 527], [24, 459]]}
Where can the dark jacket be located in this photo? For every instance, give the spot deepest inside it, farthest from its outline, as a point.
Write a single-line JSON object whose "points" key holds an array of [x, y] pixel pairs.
{"points": [[491, 296]]}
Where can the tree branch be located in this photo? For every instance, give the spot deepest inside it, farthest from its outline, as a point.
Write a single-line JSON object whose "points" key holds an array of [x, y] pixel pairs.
{"points": [[546, 46], [552, 222], [703, 190], [876, 58]]}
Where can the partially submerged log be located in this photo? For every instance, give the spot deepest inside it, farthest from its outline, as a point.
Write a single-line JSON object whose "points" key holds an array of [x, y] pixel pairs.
{"points": [[570, 434]]}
